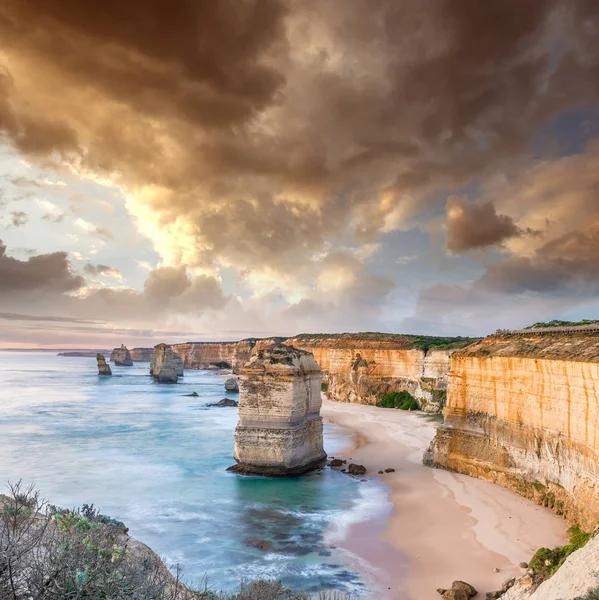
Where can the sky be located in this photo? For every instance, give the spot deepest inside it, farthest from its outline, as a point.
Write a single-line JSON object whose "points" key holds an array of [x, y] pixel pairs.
{"points": [[190, 170]]}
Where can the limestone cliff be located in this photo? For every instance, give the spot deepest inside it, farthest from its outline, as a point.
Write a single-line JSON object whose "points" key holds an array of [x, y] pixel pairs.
{"points": [[523, 411], [364, 367], [141, 354], [226, 355], [121, 357], [280, 428], [360, 367]]}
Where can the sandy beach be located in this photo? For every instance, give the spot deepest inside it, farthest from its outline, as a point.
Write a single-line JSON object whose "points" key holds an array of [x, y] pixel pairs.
{"points": [[443, 526]]}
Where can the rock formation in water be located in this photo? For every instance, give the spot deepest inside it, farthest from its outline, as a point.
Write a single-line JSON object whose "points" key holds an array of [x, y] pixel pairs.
{"points": [[141, 354], [360, 367], [231, 385], [280, 429], [103, 366], [164, 364], [121, 357], [171, 357], [523, 412]]}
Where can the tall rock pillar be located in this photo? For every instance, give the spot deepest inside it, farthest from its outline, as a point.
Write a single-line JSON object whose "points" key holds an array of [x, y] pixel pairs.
{"points": [[279, 431]]}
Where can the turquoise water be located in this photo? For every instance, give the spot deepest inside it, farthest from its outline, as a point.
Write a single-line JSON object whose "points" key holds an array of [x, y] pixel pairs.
{"points": [[155, 459]]}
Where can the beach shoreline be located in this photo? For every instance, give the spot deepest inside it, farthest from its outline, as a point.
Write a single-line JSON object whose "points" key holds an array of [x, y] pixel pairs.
{"points": [[443, 526]]}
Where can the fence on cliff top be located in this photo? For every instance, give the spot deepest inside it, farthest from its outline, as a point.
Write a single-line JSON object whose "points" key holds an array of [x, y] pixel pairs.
{"points": [[543, 330]]}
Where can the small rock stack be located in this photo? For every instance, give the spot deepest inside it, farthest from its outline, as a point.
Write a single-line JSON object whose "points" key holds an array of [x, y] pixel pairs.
{"points": [[121, 357], [103, 366], [279, 431]]}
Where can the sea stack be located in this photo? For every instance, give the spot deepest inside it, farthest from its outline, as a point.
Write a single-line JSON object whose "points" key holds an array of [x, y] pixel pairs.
{"points": [[103, 366], [170, 356], [279, 432], [164, 366], [121, 357], [231, 385]]}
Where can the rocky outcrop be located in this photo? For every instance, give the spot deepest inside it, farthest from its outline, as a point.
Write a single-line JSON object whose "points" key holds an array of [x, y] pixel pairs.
{"points": [[141, 354], [103, 366], [121, 357], [524, 413], [165, 364], [574, 579], [231, 385], [280, 429], [172, 359]]}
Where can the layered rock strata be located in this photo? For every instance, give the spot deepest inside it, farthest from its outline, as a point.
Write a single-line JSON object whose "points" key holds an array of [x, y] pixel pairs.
{"points": [[121, 357], [279, 431], [523, 412], [362, 368], [171, 357], [165, 364], [103, 366]]}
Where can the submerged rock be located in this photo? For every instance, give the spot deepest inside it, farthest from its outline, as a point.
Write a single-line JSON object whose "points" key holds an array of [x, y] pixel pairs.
{"points": [[192, 395], [121, 357], [279, 431], [225, 402], [103, 366], [356, 469], [231, 385]]}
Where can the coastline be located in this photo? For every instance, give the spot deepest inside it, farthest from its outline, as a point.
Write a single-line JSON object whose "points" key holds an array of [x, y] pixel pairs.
{"points": [[443, 526]]}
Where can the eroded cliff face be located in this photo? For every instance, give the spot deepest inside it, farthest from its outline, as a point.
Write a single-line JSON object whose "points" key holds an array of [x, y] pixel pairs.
{"points": [[363, 371], [356, 367], [530, 422], [228, 355], [141, 354]]}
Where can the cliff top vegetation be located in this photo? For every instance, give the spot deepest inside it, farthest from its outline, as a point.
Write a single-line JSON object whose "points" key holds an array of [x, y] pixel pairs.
{"points": [[572, 346], [558, 323], [399, 341]]}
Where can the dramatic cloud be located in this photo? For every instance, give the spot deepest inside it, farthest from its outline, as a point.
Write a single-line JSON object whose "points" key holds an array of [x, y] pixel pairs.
{"points": [[270, 145], [46, 273], [476, 225]]}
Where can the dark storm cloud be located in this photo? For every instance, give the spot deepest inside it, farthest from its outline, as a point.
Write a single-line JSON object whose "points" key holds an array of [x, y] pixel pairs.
{"points": [[45, 273], [262, 134], [565, 264], [323, 105], [476, 226]]}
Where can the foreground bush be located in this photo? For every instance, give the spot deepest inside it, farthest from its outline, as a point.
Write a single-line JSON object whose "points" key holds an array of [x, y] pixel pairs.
{"points": [[50, 553], [403, 400]]}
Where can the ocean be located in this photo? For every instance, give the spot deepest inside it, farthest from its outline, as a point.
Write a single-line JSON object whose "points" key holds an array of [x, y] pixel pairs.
{"points": [[156, 459]]}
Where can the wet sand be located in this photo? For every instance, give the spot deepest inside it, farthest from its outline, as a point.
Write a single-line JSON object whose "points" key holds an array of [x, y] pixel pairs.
{"points": [[443, 526]]}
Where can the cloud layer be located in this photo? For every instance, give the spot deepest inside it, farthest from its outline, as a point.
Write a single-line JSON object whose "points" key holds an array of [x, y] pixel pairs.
{"points": [[279, 141]]}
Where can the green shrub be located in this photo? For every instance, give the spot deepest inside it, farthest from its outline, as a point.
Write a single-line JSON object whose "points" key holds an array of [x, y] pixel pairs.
{"points": [[590, 595], [547, 561], [324, 387], [403, 400]]}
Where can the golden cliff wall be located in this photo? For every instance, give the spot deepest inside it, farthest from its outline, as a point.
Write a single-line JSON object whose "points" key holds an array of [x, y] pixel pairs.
{"points": [[363, 371], [356, 367], [528, 421]]}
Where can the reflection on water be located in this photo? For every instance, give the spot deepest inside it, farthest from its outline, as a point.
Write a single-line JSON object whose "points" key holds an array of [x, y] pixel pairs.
{"points": [[156, 459]]}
